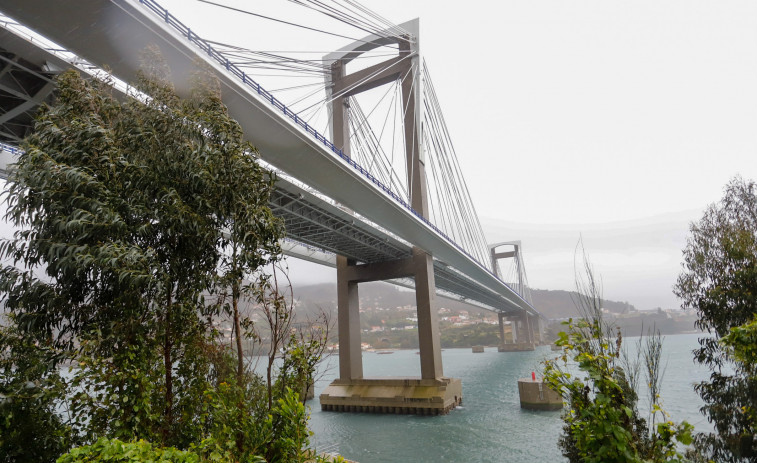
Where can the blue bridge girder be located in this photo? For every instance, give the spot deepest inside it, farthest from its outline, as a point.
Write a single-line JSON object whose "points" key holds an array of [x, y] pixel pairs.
{"points": [[113, 32]]}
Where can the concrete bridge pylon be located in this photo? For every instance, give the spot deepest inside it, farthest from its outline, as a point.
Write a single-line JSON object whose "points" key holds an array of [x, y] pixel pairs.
{"points": [[525, 328], [432, 393]]}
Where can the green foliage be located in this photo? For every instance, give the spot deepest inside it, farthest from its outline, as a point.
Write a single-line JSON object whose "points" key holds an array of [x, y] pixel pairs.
{"points": [[329, 459], [115, 205], [291, 437], [602, 419], [598, 383], [402, 339], [239, 427], [481, 334], [741, 346], [115, 396], [133, 216], [303, 352], [742, 342], [719, 282], [30, 428], [278, 312], [116, 451]]}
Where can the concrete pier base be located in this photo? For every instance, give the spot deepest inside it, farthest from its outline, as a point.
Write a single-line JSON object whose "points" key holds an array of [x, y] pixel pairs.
{"points": [[393, 395], [536, 395], [516, 347], [477, 349]]}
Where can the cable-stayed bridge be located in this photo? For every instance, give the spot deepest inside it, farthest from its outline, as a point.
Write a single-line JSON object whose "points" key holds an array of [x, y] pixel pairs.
{"points": [[379, 200]]}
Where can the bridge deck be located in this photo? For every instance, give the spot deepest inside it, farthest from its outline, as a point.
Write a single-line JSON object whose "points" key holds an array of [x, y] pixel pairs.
{"points": [[112, 33]]}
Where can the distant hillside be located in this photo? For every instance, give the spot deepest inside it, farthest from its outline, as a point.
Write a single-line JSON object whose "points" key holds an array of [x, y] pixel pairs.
{"points": [[553, 304], [560, 304], [388, 315], [322, 296]]}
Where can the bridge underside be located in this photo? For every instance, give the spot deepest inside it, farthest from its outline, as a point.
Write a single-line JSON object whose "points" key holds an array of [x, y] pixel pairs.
{"points": [[25, 83], [319, 224]]}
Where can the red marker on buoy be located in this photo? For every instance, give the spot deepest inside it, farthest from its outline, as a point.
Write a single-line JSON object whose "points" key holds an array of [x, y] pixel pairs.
{"points": [[533, 376]]}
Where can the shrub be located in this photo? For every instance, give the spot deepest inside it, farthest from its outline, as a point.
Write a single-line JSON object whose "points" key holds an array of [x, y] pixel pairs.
{"points": [[116, 451]]}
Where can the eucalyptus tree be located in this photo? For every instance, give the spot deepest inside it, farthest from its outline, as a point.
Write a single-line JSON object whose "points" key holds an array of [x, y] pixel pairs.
{"points": [[126, 212], [719, 282], [242, 188]]}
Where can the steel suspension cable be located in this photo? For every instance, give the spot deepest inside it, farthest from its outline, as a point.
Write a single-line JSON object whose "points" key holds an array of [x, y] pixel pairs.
{"points": [[470, 229], [239, 10]]}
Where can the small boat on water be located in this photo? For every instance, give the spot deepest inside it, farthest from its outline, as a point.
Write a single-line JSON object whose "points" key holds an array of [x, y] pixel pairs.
{"points": [[384, 352]]}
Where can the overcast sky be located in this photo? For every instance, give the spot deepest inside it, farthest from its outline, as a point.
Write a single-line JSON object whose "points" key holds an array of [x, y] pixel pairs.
{"points": [[615, 121], [619, 121]]}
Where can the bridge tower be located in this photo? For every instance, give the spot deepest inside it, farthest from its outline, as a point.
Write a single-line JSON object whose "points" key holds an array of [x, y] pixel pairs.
{"points": [[432, 393], [526, 329]]}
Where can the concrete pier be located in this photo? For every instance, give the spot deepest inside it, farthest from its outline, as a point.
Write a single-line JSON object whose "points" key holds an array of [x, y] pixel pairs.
{"points": [[393, 395], [522, 335], [432, 393], [477, 349], [536, 395]]}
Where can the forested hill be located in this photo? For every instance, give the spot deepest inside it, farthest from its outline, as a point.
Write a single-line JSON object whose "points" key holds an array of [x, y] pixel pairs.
{"points": [[312, 298], [553, 304], [559, 304]]}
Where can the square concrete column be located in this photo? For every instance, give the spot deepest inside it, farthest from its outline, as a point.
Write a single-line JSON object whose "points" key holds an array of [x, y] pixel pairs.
{"points": [[529, 332], [340, 129], [515, 328], [536, 329], [348, 306], [501, 317], [428, 324]]}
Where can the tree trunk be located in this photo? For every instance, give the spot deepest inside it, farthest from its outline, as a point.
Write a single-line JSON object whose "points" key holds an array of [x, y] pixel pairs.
{"points": [[168, 413], [238, 329], [271, 357]]}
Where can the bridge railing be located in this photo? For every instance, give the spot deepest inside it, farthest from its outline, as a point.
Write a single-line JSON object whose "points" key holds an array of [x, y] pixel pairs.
{"points": [[14, 150], [206, 47]]}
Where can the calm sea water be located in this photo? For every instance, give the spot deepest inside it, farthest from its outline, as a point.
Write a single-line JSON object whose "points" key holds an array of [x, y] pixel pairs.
{"points": [[490, 426]]}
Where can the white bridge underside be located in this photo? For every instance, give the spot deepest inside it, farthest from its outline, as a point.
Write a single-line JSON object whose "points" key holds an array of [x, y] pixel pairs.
{"points": [[113, 33]]}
